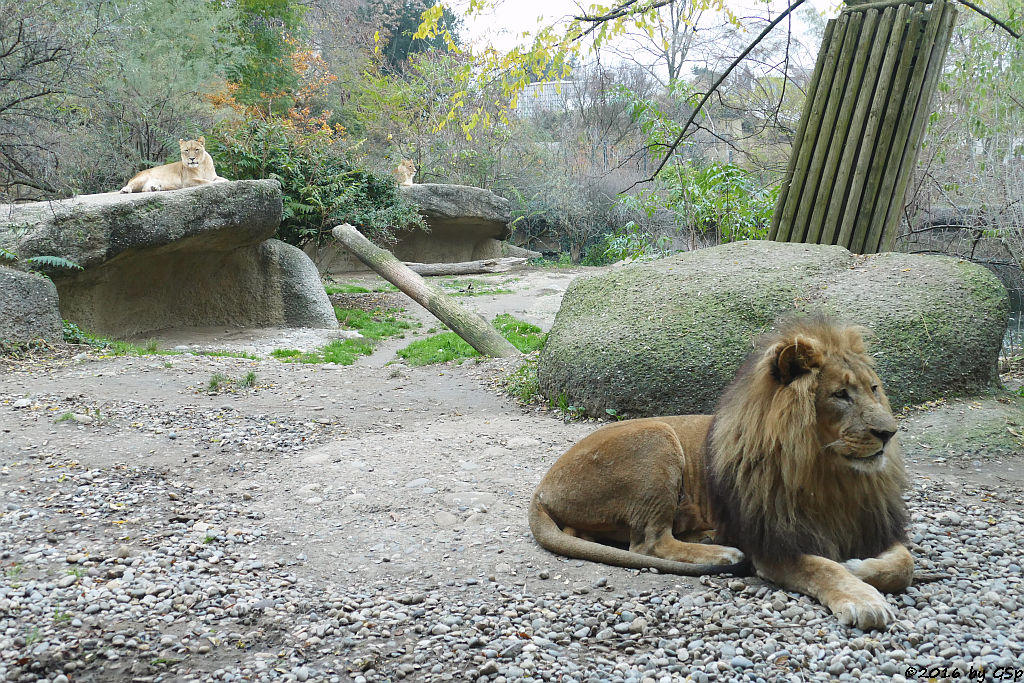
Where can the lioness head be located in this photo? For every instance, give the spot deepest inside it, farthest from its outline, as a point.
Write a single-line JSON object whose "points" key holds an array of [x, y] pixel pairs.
{"points": [[192, 152], [854, 421]]}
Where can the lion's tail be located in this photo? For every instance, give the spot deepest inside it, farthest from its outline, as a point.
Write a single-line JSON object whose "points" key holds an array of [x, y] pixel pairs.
{"points": [[551, 537]]}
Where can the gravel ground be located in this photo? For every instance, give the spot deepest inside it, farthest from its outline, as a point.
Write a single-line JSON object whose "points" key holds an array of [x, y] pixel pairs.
{"points": [[368, 524]]}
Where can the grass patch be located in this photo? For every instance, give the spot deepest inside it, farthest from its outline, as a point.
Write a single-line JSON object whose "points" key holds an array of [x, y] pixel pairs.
{"points": [[522, 383], [73, 334], [473, 288], [449, 346], [221, 382], [346, 288], [374, 326]]}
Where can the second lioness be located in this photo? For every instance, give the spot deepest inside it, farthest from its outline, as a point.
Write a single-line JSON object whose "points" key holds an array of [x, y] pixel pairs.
{"points": [[797, 469], [195, 168]]}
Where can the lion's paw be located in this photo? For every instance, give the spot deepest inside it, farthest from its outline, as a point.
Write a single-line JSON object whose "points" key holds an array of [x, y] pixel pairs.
{"points": [[731, 555], [866, 610], [712, 554]]}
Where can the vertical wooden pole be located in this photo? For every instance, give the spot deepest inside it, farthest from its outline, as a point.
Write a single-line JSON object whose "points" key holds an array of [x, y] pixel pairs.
{"points": [[843, 214], [860, 134], [839, 146], [812, 89], [862, 126], [901, 138], [921, 114], [803, 153], [826, 128]]}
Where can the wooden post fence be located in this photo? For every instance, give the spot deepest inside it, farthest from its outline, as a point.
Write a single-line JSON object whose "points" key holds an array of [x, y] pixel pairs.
{"points": [[860, 133]]}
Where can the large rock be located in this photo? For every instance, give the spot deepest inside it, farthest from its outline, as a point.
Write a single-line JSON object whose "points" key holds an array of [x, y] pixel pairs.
{"points": [[28, 308], [666, 337], [464, 224], [195, 257]]}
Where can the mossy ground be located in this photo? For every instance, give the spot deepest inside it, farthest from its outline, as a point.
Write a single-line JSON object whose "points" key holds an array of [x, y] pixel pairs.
{"points": [[374, 326], [990, 425], [448, 346]]}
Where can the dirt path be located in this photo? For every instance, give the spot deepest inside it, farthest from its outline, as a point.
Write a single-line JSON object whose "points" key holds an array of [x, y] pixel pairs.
{"points": [[351, 494]]}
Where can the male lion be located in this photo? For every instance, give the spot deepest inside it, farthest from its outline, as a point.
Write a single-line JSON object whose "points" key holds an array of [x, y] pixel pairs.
{"points": [[797, 468], [195, 168], [404, 172]]}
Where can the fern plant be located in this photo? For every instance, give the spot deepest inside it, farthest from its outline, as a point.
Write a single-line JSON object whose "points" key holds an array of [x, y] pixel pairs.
{"points": [[37, 264]]}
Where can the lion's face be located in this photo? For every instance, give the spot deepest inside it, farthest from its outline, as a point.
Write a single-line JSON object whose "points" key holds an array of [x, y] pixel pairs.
{"points": [[192, 152], [854, 419]]}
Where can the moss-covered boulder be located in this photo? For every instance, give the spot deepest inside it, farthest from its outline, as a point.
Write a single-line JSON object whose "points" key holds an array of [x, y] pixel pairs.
{"points": [[666, 337]]}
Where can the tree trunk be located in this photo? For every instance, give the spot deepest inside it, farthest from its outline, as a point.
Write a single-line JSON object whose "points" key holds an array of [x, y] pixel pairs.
{"points": [[477, 332], [493, 265]]}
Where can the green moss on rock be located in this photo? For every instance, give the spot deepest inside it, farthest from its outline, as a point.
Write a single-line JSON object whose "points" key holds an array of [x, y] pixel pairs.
{"points": [[667, 337]]}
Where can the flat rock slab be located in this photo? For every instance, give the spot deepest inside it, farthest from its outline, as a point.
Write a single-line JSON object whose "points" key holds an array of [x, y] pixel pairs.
{"points": [[195, 257], [28, 308], [667, 336], [466, 224]]}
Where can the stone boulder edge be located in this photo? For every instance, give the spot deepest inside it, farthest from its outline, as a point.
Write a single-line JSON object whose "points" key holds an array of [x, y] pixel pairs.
{"points": [[28, 308], [185, 258], [667, 336], [466, 224]]}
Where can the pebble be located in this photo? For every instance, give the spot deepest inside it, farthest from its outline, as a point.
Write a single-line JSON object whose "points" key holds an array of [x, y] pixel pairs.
{"points": [[111, 568]]}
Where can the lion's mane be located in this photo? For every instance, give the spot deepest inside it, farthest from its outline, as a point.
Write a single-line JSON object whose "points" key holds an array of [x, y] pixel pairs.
{"points": [[773, 493]]}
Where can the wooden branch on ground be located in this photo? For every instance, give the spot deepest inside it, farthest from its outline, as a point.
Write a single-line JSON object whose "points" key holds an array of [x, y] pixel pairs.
{"points": [[491, 265], [477, 332]]}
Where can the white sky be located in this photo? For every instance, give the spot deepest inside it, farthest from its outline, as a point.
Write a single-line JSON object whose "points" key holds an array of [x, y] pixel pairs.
{"points": [[503, 26]]}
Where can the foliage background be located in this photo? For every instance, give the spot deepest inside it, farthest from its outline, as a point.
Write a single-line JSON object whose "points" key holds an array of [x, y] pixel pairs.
{"points": [[328, 95]]}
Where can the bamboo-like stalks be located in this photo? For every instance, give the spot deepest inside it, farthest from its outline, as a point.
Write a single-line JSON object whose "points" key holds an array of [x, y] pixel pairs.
{"points": [[901, 138], [836, 197], [827, 129], [912, 149], [789, 232], [812, 89], [859, 209], [840, 215], [840, 146]]}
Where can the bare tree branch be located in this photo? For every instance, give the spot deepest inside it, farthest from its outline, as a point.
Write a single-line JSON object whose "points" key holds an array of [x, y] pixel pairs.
{"points": [[997, 22], [714, 88]]}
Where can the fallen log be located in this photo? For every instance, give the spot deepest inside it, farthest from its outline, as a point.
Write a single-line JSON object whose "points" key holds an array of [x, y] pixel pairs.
{"points": [[491, 265], [477, 332]]}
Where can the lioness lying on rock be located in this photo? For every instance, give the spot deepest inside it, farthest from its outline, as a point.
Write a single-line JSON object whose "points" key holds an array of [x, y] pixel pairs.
{"points": [[195, 168], [798, 469]]}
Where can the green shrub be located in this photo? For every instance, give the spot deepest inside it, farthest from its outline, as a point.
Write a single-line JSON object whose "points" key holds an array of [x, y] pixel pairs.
{"points": [[321, 186], [720, 200]]}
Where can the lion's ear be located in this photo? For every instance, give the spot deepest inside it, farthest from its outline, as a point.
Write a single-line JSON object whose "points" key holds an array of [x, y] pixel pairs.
{"points": [[181, 143], [795, 359], [202, 140]]}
